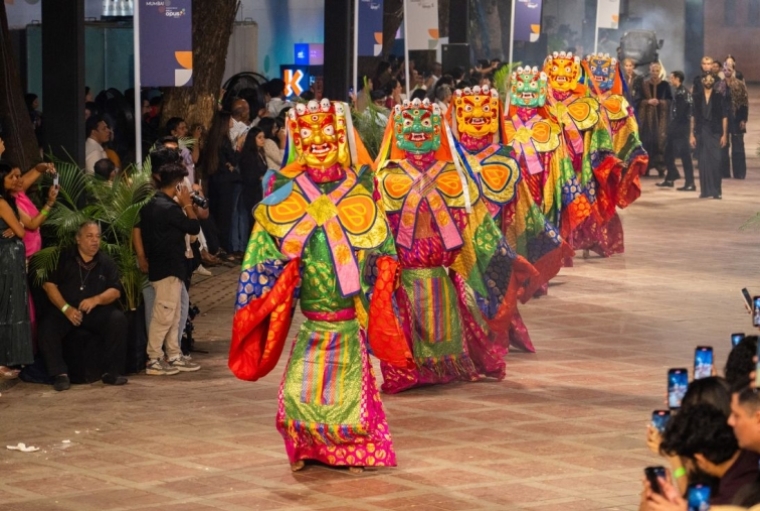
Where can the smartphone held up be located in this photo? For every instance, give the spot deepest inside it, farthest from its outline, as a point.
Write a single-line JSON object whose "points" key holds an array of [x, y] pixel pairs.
{"points": [[678, 382], [703, 362]]}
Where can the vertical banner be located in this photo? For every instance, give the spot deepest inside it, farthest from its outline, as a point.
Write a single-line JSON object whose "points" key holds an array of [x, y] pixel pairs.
{"points": [[166, 43], [608, 14], [527, 21], [370, 29], [422, 22]]}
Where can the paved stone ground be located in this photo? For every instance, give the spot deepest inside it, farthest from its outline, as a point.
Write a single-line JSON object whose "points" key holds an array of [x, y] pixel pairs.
{"points": [[564, 431]]}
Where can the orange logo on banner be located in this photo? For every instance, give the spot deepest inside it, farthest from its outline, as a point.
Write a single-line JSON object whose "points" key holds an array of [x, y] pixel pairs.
{"points": [[292, 79]]}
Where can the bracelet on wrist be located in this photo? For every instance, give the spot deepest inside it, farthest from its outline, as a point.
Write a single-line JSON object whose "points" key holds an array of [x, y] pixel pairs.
{"points": [[45, 212], [679, 472], [65, 308]]}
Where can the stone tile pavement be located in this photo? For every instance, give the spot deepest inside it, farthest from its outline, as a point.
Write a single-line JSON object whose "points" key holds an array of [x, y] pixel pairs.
{"points": [[564, 431]]}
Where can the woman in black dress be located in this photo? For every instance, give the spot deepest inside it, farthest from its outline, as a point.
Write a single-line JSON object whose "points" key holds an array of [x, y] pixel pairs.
{"points": [[15, 325], [253, 166], [710, 136], [219, 163]]}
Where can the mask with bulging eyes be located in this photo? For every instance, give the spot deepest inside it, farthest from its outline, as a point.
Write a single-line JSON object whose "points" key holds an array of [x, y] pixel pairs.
{"points": [[417, 126]]}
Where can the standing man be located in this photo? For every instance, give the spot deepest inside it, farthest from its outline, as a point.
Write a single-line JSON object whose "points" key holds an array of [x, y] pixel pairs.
{"points": [[84, 288], [710, 135], [163, 228], [679, 128], [98, 133]]}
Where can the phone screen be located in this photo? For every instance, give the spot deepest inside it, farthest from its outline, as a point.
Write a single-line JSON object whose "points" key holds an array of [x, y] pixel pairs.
{"points": [[703, 362], [678, 381], [699, 497], [756, 311], [757, 366], [55, 180], [652, 474], [660, 419], [736, 339], [747, 299]]}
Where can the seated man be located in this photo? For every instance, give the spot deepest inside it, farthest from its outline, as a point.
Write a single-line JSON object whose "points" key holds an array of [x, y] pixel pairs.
{"points": [[84, 288], [701, 436]]}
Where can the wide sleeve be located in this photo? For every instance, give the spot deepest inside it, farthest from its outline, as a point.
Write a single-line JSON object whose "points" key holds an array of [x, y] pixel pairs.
{"points": [[497, 275], [380, 272], [267, 293]]}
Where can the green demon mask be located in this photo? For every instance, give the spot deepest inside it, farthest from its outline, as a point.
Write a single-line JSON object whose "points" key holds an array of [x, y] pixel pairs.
{"points": [[528, 87], [417, 126]]}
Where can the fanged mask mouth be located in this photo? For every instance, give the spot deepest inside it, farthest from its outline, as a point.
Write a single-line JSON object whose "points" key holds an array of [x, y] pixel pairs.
{"points": [[417, 137], [528, 96], [561, 79], [599, 78], [477, 121], [320, 149]]}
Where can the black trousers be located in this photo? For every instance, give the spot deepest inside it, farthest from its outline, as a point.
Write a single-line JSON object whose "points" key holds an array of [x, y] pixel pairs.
{"points": [[678, 147], [734, 156], [107, 322]]}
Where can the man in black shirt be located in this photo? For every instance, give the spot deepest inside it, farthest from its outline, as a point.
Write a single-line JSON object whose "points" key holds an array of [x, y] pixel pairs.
{"points": [[84, 289], [679, 128], [163, 225]]}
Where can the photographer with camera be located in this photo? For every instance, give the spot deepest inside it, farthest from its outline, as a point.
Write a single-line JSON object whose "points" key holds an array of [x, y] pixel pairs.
{"points": [[164, 223]]}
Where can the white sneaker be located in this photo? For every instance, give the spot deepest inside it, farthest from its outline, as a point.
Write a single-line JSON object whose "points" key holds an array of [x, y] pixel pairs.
{"points": [[202, 271]]}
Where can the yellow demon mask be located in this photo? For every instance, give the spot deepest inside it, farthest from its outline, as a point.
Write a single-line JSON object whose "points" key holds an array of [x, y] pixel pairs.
{"points": [[563, 70], [318, 131], [477, 111]]}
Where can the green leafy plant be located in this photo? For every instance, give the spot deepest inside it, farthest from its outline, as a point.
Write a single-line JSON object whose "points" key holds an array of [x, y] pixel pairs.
{"points": [[370, 123], [114, 206]]}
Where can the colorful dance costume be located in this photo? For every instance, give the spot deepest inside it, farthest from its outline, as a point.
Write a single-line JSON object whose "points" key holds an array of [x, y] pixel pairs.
{"points": [[588, 144], [319, 236], [460, 280], [540, 150], [618, 117], [506, 194]]}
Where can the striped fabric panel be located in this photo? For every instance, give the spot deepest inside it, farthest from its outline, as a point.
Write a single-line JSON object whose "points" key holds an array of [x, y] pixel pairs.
{"points": [[324, 358], [433, 301]]}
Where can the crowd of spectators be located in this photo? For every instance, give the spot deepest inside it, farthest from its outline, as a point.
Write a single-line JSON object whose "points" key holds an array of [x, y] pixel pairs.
{"points": [[206, 185], [711, 443]]}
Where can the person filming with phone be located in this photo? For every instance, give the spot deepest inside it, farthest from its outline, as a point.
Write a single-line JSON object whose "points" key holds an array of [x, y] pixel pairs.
{"points": [[164, 223]]}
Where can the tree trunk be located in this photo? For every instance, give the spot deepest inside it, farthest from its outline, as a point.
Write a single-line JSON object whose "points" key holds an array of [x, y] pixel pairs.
{"points": [[17, 131], [393, 14], [212, 28]]}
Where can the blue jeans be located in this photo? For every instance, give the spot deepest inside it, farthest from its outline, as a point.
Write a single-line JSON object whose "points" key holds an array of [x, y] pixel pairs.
{"points": [[240, 228]]}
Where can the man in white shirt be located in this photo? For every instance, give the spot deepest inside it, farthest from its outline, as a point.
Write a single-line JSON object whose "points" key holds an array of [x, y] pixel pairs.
{"points": [[98, 133], [276, 97]]}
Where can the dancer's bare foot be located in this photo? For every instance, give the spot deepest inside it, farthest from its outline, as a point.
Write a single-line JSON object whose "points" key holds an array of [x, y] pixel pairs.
{"points": [[298, 465], [356, 470]]}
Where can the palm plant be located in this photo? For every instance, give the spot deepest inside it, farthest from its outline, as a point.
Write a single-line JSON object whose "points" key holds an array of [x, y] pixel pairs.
{"points": [[114, 206], [371, 124]]}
